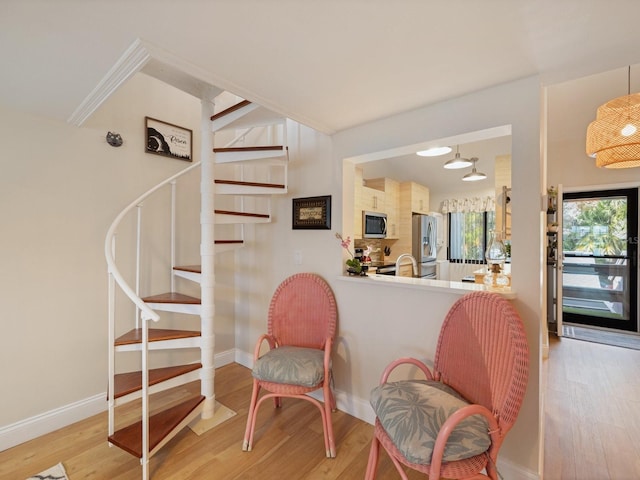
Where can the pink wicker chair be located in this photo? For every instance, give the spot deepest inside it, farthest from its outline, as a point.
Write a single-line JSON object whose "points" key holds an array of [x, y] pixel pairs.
{"points": [[300, 333], [482, 354]]}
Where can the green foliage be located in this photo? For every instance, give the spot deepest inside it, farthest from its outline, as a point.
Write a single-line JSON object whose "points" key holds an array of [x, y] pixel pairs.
{"points": [[355, 264], [595, 226]]}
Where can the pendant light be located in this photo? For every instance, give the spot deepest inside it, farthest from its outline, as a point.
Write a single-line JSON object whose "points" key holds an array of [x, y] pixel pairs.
{"points": [[457, 161], [613, 138], [474, 175], [434, 151]]}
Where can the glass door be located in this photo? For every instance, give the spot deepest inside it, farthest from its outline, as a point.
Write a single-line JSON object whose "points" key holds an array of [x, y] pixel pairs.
{"points": [[599, 258]]}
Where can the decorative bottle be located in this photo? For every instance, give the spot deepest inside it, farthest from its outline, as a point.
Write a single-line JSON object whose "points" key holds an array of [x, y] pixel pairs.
{"points": [[496, 255]]}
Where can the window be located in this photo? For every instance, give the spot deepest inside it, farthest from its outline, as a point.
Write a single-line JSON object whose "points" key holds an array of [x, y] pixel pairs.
{"points": [[468, 235]]}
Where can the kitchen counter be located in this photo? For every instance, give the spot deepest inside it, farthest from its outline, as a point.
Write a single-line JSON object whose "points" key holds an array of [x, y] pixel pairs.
{"points": [[432, 285]]}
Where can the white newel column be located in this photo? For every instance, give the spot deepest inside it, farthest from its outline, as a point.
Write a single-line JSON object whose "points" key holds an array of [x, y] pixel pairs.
{"points": [[207, 255]]}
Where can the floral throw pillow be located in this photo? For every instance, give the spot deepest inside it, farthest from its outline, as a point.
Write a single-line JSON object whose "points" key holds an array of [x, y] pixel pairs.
{"points": [[412, 413], [291, 365]]}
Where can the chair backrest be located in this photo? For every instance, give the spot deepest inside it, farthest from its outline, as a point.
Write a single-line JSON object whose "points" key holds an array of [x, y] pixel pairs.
{"points": [[483, 354], [303, 312]]}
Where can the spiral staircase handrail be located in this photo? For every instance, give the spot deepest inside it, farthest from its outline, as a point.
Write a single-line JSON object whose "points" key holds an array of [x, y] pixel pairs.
{"points": [[112, 269]]}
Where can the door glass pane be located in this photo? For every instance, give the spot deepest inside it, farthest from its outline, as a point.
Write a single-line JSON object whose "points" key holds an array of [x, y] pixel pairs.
{"points": [[596, 270]]}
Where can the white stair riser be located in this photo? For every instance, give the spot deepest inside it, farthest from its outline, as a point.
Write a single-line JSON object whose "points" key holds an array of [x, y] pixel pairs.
{"points": [[251, 115], [242, 156], [225, 219], [227, 247], [232, 120], [193, 276], [280, 161], [227, 189], [188, 308], [191, 342], [160, 387], [192, 416]]}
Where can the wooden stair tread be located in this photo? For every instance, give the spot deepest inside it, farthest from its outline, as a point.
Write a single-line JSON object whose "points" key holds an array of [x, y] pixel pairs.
{"points": [[189, 268], [160, 425], [155, 335], [231, 109], [242, 214], [172, 297], [250, 184], [257, 148], [126, 383], [223, 242]]}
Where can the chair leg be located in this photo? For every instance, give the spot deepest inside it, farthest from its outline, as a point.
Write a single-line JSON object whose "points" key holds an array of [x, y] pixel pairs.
{"points": [[253, 407], [329, 406], [374, 453], [333, 403]]}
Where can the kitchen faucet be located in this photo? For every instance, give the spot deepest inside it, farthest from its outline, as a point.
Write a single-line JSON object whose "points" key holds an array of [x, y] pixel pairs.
{"points": [[413, 263]]}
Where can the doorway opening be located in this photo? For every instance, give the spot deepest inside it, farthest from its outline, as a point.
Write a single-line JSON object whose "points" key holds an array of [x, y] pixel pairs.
{"points": [[599, 259]]}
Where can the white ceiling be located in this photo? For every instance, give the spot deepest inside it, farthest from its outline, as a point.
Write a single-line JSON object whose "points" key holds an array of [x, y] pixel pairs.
{"points": [[329, 64], [429, 171]]}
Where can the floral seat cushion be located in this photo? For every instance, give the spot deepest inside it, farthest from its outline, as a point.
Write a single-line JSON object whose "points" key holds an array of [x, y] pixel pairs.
{"points": [[291, 365], [412, 413]]}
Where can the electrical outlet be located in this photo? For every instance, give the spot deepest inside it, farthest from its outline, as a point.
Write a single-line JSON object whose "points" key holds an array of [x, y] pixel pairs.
{"points": [[297, 257]]}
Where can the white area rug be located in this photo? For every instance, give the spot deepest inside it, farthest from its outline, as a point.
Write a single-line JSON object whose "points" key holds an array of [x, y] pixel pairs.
{"points": [[54, 473]]}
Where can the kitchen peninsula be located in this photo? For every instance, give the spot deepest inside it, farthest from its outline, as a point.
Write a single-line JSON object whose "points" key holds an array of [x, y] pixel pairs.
{"points": [[430, 285]]}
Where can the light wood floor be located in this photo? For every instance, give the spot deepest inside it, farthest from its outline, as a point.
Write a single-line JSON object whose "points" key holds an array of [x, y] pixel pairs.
{"points": [[592, 422], [592, 432], [288, 445]]}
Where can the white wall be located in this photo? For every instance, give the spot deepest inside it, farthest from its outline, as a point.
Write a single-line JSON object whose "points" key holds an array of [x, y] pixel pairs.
{"points": [[378, 324], [60, 189], [571, 107], [375, 324], [407, 321]]}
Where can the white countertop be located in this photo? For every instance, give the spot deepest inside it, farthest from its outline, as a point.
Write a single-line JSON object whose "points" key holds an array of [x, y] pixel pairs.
{"points": [[420, 283]]}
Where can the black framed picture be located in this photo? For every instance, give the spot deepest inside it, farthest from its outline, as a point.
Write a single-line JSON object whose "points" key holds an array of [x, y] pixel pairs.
{"points": [[168, 140], [312, 213]]}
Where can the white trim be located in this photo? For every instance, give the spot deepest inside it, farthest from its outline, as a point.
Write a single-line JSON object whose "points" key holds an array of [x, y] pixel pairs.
{"points": [[130, 63], [243, 358], [509, 469], [33, 427], [141, 53], [597, 188], [224, 358]]}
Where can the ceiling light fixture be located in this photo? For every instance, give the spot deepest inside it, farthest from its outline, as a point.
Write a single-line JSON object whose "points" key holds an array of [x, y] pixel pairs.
{"points": [[474, 175], [613, 138], [457, 161], [434, 151]]}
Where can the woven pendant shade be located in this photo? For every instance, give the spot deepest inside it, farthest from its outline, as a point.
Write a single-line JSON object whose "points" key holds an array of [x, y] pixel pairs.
{"points": [[614, 137]]}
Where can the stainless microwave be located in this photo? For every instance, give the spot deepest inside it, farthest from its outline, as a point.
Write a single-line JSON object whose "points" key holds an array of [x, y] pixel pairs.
{"points": [[374, 225]]}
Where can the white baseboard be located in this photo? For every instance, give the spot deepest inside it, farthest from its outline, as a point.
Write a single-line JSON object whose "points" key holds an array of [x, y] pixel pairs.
{"points": [[47, 422], [38, 425], [245, 359], [509, 469]]}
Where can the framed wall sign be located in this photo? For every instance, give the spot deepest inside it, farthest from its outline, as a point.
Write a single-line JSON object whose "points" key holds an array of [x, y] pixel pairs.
{"points": [[312, 213], [168, 140]]}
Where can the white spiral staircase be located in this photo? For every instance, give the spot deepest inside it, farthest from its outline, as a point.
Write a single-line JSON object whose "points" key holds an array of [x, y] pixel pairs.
{"points": [[235, 175]]}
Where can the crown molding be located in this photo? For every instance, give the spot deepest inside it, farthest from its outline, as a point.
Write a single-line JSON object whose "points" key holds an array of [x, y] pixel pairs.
{"points": [[131, 62]]}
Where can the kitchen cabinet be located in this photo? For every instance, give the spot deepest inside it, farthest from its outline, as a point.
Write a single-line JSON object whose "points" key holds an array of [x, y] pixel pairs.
{"points": [[372, 199], [377, 195], [392, 207], [417, 197], [390, 197], [414, 198]]}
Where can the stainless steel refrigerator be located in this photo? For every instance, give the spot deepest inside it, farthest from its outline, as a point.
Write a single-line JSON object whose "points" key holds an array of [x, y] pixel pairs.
{"points": [[424, 244]]}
